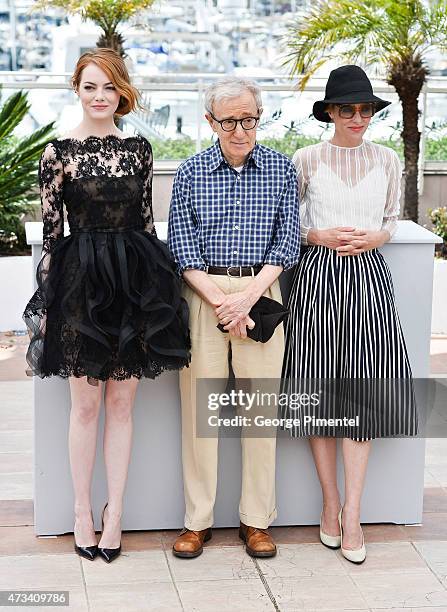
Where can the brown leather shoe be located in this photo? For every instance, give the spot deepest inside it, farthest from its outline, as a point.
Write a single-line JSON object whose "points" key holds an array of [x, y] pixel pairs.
{"points": [[258, 542], [189, 543]]}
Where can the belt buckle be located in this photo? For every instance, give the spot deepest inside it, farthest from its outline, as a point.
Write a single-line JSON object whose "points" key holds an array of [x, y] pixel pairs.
{"points": [[234, 275]]}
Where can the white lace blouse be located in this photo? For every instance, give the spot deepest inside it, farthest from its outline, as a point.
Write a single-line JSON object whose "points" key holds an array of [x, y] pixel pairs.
{"points": [[348, 186]]}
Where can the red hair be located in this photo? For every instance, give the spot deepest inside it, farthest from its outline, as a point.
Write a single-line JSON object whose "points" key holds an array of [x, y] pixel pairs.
{"points": [[110, 62]]}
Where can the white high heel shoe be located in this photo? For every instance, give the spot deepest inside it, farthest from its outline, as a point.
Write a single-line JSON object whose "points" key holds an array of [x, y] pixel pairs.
{"points": [[328, 540], [355, 556]]}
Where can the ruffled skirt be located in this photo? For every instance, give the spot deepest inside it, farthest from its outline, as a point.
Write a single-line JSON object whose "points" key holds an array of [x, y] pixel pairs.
{"points": [[108, 306]]}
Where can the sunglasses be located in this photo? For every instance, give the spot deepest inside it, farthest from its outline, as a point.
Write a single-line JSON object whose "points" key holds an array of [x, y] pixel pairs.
{"points": [[347, 111]]}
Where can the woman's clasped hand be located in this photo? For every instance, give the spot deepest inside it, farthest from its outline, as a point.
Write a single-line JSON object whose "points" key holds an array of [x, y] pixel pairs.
{"points": [[348, 240]]}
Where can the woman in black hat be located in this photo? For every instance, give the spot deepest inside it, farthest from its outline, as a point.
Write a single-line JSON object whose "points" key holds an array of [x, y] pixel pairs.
{"points": [[344, 326]]}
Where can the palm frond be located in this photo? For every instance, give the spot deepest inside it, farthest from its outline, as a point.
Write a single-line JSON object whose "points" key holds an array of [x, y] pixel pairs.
{"points": [[12, 113], [373, 30], [317, 35], [433, 25], [28, 147], [19, 158]]}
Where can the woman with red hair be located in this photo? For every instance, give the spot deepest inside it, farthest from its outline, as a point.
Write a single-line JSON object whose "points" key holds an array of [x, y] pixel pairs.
{"points": [[108, 307]]}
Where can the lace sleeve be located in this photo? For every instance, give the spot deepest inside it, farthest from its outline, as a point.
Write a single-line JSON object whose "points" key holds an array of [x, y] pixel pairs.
{"points": [[147, 170], [51, 179], [392, 205]]}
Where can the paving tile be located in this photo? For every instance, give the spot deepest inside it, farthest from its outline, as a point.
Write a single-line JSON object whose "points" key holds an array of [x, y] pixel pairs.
{"points": [[385, 532], [136, 597], [77, 603], [390, 590], [18, 485], [439, 472], [438, 355], [16, 512], [17, 421], [296, 535], [23, 541], [316, 593], [148, 566], [293, 560], [435, 499], [435, 555], [141, 540], [224, 563], [56, 572], [224, 596], [380, 532], [438, 364], [436, 451], [430, 480], [434, 527], [16, 406], [16, 462], [387, 557], [16, 402], [424, 609], [12, 359], [15, 394], [16, 441]]}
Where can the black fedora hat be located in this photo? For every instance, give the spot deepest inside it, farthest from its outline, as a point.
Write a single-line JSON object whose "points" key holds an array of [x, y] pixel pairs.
{"points": [[347, 85]]}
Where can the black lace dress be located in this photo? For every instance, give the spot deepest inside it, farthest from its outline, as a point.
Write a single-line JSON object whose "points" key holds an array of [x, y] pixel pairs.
{"points": [[108, 303]]}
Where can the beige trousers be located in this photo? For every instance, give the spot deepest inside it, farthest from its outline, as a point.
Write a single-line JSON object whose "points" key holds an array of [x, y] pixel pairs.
{"points": [[209, 359]]}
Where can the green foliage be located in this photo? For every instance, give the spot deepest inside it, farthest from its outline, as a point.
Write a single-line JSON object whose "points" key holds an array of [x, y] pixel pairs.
{"points": [[108, 14], [19, 158], [182, 148], [384, 32], [289, 143], [438, 217], [435, 149]]}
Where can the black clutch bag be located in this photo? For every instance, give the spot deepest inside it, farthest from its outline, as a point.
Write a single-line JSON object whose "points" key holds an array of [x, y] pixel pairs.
{"points": [[267, 315]]}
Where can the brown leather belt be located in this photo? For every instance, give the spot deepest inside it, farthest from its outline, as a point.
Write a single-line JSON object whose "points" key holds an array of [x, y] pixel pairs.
{"points": [[236, 271]]}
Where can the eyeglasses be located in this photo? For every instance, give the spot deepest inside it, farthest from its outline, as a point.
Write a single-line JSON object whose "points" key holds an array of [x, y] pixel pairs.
{"points": [[228, 125], [347, 111]]}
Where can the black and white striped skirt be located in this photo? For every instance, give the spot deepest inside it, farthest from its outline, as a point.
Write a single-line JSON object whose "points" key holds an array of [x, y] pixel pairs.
{"points": [[346, 371]]}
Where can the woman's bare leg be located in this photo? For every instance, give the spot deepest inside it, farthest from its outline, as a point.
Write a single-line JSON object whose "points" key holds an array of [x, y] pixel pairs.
{"points": [[355, 457], [324, 451], [84, 415], [119, 399]]}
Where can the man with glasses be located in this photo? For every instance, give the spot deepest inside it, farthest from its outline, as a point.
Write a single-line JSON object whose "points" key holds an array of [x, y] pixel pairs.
{"points": [[233, 228]]}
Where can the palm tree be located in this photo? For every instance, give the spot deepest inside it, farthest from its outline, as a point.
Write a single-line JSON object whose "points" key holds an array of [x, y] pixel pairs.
{"points": [[107, 14], [393, 35], [18, 170]]}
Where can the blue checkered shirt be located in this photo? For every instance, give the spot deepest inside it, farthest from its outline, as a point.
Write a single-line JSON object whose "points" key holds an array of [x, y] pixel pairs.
{"points": [[219, 217]]}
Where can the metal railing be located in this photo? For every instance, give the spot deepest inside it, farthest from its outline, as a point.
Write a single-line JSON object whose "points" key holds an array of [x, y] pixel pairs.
{"points": [[197, 83]]}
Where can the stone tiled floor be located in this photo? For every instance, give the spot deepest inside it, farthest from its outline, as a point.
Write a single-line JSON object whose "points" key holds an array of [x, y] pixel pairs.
{"points": [[438, 355], [406, 566], [402, 575]]}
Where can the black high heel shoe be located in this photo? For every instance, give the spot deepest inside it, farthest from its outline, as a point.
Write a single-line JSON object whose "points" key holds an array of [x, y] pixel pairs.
{"points": [[87, 552], [108, 554]]}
